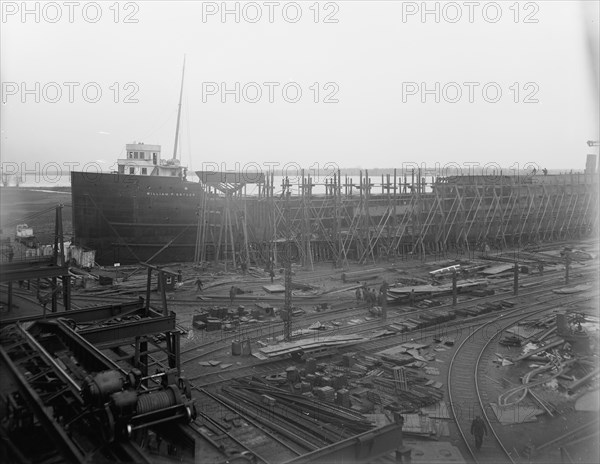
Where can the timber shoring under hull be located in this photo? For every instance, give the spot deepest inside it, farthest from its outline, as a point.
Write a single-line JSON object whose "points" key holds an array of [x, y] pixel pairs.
{"points": [[128, 219]]}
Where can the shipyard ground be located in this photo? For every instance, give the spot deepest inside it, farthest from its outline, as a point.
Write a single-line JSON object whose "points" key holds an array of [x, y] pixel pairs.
{"points": [[327, 301]]}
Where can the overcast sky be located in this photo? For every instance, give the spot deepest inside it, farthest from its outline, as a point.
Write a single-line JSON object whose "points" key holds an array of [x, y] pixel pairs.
{"points": [[372, 62]]}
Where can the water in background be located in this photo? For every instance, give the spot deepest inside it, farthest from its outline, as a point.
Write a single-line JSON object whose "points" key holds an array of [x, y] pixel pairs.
{"points": [[63, 179], [45, 180]]}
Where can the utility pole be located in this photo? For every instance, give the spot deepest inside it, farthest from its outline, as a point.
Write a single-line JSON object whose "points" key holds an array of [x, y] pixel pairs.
{"points": [[287, 321], [59, 260], [567, 266], [454, 290], [384, 291]]}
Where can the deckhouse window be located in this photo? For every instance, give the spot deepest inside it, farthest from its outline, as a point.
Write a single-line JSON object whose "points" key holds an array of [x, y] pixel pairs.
{"points": [[131, 170], [144, 171]]}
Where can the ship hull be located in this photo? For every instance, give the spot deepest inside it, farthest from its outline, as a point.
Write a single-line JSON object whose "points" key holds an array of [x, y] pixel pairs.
{"points": [[128, 219]]}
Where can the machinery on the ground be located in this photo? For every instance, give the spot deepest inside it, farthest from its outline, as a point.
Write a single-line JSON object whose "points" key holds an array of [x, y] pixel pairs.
{"points": [[77, 404], [124, 406]]}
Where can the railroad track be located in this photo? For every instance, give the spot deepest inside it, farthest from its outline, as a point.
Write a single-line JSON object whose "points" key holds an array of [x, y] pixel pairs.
{"points": [[353, 312], [456, 327], [289, 449], [266, 445], [464, 395], [218, 424], [277, 365]]}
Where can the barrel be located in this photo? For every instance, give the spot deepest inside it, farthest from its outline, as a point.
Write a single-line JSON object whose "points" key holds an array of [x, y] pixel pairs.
{"points": [[236, 348]]}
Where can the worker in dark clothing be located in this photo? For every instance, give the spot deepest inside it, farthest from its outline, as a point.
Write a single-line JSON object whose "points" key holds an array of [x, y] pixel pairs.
{"points": [[358, 294], [232, 293], [383, 292], [478, 428], [384, 287], [366, 295], [198, 285], [271, 273]]}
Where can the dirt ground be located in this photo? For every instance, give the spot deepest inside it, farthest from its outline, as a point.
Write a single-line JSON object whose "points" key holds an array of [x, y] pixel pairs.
{"points": [[36, 207]]}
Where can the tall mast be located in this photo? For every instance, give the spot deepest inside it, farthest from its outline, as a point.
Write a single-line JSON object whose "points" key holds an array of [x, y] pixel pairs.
{"points": [[179, 110]]}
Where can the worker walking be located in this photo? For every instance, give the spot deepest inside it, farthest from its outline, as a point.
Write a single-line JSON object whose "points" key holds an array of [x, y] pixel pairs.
{"points": [[271, 273], [478, 429], [198, 285]]}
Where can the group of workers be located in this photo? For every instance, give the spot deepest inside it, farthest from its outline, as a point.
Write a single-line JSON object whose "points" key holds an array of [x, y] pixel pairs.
{"points": [[369, 296]]}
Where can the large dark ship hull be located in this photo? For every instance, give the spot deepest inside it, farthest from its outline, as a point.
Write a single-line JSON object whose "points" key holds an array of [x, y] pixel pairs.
{"points": [[128, 219]]}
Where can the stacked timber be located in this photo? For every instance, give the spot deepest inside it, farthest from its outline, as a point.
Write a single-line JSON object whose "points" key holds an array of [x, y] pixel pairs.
{"points": [[366, 274], [308, 345]]}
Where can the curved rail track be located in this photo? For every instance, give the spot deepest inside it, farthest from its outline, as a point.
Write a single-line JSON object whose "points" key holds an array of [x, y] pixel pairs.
{"points": [[453, 328], [349, 313], [464, 395]]}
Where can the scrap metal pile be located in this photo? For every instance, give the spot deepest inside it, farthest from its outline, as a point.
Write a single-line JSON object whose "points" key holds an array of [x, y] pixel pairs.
{"points": [[380, 386], [321, 403], [555, 362]]}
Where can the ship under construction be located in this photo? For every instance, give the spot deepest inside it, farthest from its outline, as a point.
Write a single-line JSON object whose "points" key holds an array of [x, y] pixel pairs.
{"points": [[134, 215]]}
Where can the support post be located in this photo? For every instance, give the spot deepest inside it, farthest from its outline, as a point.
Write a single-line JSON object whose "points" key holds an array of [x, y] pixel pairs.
{"points": [[384, 290], [163, 291], [54, 300], [144, 360], [148, 289], [516, 280], [287, 324], [10, 295], [454, 288], [67, 292], [177, 350]]}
